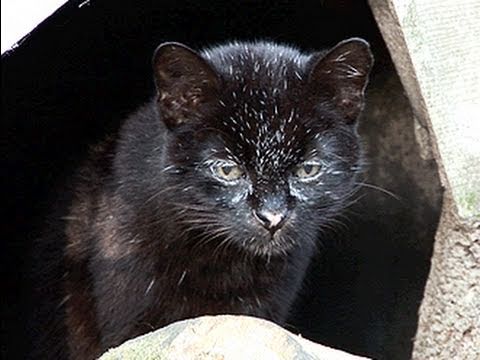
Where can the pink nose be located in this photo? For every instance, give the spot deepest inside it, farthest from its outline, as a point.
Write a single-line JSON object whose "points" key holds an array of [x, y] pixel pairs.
{"points": [[271, 220]]}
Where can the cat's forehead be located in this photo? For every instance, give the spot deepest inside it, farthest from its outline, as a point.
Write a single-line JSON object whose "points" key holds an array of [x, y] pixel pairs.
{"points": [[261, 103], [262, 69], [264, 129]]}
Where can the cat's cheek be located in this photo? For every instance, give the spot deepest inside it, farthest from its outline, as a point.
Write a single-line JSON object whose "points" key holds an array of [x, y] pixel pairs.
{"points": [[307, 193], [239, 197], [232, 196], [298, 193]]}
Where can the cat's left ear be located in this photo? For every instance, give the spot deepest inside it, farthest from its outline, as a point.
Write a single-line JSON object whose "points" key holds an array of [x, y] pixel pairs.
{"points": [[341, 75], [186, 84]]}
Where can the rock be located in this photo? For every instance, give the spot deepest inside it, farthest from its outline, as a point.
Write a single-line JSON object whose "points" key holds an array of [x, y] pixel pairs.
{"points": [[224, 337]]}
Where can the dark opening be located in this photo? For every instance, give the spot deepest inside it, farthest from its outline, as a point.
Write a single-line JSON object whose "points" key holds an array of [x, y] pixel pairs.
{"points": [[87, 66]]}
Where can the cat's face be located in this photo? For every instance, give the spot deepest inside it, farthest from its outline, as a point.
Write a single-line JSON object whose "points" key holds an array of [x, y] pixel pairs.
{"points": [[265, 159]]}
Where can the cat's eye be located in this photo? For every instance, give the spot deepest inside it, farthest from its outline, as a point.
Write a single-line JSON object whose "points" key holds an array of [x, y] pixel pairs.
{"points": [[228, 172], [307, 170]]}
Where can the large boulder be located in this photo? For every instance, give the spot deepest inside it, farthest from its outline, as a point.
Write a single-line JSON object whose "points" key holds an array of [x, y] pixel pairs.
{"points": [[224, 337]]}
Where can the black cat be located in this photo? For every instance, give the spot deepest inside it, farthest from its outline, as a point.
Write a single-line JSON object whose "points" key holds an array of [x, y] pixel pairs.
{"points": [[211, 197]]}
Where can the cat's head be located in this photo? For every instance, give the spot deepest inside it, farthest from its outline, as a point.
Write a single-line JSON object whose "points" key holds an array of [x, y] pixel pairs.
{"points": [[262, 149]]}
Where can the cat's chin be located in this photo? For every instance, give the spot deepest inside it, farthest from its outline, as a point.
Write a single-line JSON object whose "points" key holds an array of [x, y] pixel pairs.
{"points": [[269, 245]]}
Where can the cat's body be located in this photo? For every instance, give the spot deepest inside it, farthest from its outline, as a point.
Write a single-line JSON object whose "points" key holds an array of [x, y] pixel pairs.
{"points": [[211, 197]]}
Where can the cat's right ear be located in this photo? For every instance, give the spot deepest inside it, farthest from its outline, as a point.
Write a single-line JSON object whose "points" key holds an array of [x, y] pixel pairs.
{"points": [[186, 83], [341, 75]]}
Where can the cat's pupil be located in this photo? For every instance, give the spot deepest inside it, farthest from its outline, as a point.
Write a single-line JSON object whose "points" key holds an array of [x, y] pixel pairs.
{"points": [[227, 170], [308, 169]]}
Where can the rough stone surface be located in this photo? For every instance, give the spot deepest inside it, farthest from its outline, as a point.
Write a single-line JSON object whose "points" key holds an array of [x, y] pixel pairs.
{"points": [[433, 45], [224, 337], [449, 324]]}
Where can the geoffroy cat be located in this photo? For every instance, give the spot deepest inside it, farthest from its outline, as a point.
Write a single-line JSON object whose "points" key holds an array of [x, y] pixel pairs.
{"points": [[211, 197]]}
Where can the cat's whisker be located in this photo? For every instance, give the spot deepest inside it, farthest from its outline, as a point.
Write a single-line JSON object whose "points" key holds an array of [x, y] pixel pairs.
{"points": [[159, 193], [378, 188], [224, 243], [200, 221], [197, 208], [211, 236], [338, 224]]}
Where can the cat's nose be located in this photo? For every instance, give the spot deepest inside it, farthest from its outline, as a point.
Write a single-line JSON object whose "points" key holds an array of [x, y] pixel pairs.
{"points": [[271, 220]]}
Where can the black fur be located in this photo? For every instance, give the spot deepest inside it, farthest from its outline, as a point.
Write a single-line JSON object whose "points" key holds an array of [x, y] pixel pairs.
{"points": [[155, 235]]}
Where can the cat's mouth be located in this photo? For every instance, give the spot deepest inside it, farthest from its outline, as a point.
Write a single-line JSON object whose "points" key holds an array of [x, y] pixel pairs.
{"points": [[271, 234], [267, 243]]}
